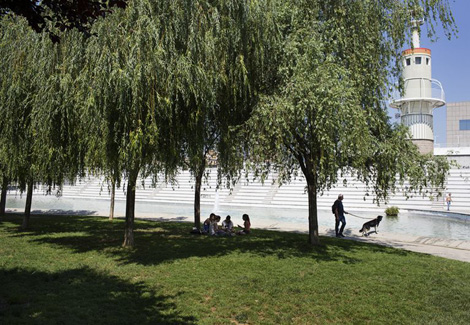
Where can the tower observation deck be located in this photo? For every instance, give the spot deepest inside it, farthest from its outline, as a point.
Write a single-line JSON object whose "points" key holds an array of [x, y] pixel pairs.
{"points": [[422, 94]]}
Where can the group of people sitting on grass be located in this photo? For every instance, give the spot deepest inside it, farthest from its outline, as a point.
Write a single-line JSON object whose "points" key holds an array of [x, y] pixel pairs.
{"points": [[227, 228]]}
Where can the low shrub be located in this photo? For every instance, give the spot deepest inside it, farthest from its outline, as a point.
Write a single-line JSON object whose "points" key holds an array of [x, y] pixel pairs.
{"points": [[392, 211]]}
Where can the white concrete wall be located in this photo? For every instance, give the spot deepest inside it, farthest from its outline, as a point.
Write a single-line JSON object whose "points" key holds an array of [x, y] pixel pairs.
{"points": [[269, 194]]}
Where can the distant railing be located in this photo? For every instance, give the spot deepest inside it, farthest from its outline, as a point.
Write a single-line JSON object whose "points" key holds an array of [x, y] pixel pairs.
{"points": [[419, 91], [412, 119], [437, 92]]}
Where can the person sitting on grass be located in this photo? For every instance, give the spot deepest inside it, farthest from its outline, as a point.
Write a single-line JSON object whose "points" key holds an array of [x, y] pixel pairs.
{"points": [[227, 225], [246, 225], [214, 229], [207, 223]]}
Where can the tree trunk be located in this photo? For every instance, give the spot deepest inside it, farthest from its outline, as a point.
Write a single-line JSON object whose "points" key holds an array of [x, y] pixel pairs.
{"points": [[313, 237], [307, 169], [3, 200], [113, 194], [27, 209], [130, 210], [197, 196]]}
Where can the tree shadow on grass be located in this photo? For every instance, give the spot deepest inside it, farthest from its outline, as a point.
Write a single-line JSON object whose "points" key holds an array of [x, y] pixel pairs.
{"points": [[162, 242], [81, 296], [50, 224]]}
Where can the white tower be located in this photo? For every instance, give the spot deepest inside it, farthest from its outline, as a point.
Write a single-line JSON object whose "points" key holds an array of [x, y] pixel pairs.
{"points": [[422, 94]]}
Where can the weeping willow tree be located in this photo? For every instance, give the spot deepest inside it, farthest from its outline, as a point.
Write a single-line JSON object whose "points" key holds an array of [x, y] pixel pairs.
{"points": [[218, 59], [338, 61], [39, 136], [26, 64], [248, 70], [56, 119], [194, 27], [17, 142], [127, 107]]}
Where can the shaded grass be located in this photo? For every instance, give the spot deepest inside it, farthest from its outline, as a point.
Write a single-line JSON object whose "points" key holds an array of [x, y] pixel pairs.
{"points": [[72, 270]]}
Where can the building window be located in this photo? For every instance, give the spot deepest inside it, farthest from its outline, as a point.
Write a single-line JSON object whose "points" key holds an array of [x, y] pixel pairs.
{"points": [[408, 61], [464, 125], [428, 61], [418, 60]]}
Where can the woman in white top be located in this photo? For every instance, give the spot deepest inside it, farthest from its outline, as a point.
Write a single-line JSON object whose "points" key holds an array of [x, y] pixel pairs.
{"points": [[227, 224]]}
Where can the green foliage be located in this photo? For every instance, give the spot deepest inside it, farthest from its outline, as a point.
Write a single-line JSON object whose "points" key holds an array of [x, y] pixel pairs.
{"points": [[58, 120], [68, 269], [125, 92], [337, 63], [287, 84], [217, 69], [18, 86], [26, 66], [392, 211]]}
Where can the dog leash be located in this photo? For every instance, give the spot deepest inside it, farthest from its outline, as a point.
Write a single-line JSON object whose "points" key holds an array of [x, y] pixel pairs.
{"points": [[358, 216]]}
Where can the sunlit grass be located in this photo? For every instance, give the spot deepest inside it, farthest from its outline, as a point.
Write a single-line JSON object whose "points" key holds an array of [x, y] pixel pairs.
{"points": [[72, 270]]}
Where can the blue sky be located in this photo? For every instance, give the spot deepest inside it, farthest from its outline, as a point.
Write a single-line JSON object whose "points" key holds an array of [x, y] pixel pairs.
{"points": [[450, 64]]}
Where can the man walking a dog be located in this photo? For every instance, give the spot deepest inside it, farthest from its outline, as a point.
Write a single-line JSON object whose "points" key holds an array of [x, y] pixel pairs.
{"points": [[339, 216]]}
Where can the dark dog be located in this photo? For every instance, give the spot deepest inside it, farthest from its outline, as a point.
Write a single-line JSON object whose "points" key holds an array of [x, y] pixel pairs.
{"points": [[369, 224]]}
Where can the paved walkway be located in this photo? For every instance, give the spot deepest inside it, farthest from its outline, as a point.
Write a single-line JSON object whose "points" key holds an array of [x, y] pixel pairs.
{"points": [[447, 248], [452, 249]]}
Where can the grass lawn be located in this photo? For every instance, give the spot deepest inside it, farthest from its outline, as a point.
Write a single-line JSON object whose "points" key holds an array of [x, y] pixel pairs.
{"points": [[72, 270]]}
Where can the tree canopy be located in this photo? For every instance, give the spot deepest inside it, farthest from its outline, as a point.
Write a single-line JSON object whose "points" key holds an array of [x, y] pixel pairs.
{"points": [[297, 85], [339, 61], [127, 103], [40, 122], [63, 14], [218, 75]]}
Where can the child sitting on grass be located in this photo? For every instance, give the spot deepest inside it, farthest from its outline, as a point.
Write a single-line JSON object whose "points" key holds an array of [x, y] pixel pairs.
{"points": [[246, 225]]}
